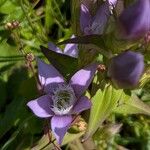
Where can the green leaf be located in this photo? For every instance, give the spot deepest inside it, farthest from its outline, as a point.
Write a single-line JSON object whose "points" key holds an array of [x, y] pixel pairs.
{"points": [[106, 132], [43, 144], [6, 67], [69, 137], [95, 42], [15, 113], [103, 104], [133, 105], [107, 42], [19, 90], [7, 7], [4, 34], [13, 137], [48, 15], [116, 45], [65, 64], [2, 2], [145, 78], [17, 76], [3, 94], [7, 50], [87, 39], [26, 139], [29, 93]]}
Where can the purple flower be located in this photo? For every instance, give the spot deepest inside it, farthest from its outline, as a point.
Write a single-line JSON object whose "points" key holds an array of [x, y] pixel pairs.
{"points": [[135, 20], [126, 69], [95, 24], [70, 49], [62, 99]]}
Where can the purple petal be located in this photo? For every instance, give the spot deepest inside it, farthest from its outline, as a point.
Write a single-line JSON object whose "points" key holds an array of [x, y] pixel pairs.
{"points": [[135, 19], [100, 19], [82, 79], [59, 126], [71, 49], [41, 106], [54, 48], [85, 17], [82, 104], [112, 2], [48, 76], [102, 15]]}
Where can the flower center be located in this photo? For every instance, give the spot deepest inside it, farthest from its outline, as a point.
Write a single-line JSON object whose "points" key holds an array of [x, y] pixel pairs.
{"points": [[63, 99]]}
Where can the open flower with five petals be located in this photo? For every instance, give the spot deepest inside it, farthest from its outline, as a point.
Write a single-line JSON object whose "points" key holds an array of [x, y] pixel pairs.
{"points": [[61, 100]]}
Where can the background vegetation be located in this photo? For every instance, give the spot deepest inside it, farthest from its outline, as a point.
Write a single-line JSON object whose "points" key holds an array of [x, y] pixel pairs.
{"points": [[24, 26]]}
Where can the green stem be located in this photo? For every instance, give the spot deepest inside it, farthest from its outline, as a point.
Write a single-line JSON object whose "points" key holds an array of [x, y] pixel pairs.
{"points": [[10, 60], [41, 36], [58, 10], [11, 57], [31, 22], [48, 15], [103, 52], [34, 5], [28, 18]]}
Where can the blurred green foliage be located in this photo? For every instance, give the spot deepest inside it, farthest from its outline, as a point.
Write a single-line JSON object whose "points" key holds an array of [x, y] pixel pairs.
{"points": [[50, 20]]}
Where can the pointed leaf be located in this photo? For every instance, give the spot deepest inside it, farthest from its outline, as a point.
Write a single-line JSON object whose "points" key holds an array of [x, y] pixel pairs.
{"points": [[69, 137], [3, 94], [106, 42], [88, 39], [60, 61], [103, 104], [145, 78], [133, 105], [43, 144]]}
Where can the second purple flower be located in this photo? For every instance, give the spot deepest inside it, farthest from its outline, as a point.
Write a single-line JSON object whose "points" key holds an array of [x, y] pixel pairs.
{"points": [[95, 24]]}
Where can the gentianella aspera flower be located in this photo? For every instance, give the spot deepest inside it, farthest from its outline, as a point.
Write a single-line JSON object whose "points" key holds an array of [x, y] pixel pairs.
{"points": [[126, 69], [135, 20], [95, 24], [70, 49], [62, 99]]}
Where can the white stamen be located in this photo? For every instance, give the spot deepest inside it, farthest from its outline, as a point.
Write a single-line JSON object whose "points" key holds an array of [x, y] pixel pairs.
{"points": [[63, 99], [111, 9]]}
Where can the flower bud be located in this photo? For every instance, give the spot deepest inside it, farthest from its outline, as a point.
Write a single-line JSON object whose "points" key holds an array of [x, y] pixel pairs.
{"points": [[30, 57], [135, 20], [126, 69], [12, 25], [95, 24], [91, 16]]}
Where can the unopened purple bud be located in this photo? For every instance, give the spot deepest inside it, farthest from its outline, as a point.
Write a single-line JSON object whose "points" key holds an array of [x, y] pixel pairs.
{"points": [[95, 24], [135, 20], [126, 69]]}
